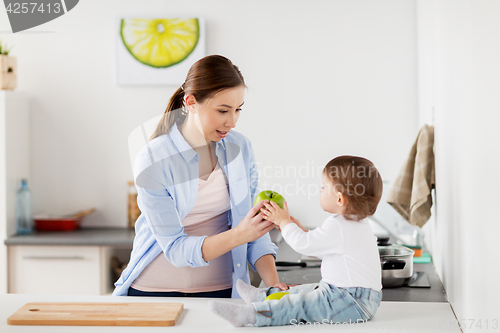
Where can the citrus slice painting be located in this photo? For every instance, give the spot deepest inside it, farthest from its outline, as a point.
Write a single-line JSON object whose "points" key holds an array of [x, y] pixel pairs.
{"points": [[160, 42], [158, 50]]}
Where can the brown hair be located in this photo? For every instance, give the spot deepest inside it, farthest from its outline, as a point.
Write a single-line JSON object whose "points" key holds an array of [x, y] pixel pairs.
{"points": [[360, 183], [205, 78]]}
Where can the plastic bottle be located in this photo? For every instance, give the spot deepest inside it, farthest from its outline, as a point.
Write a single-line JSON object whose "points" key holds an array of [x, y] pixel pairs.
{"points": [[24, 218], [418, 241]]}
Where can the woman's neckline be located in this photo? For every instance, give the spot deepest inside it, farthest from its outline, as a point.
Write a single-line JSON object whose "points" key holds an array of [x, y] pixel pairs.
{"points": [[211, 173]]}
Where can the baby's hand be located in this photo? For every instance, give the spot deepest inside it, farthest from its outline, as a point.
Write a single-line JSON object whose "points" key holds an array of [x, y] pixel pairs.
{"points": [[294, 220], [275, 214], [281, 285]]}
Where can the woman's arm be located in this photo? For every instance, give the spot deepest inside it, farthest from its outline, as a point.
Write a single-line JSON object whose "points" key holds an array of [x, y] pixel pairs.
{"points": [[267, 270], [249, 229], [217, 245]]}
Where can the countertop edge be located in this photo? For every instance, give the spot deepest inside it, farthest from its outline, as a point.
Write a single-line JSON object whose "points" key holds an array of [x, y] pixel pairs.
{"points": [[117, 237]]}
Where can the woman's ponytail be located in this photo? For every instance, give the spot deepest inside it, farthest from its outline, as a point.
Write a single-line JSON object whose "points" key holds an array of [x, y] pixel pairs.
{"points": [[173, 114]]}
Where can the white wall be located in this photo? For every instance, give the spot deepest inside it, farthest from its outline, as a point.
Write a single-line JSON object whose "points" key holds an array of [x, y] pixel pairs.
{"points": [[325, 78], [459, 71], [14, 165]]}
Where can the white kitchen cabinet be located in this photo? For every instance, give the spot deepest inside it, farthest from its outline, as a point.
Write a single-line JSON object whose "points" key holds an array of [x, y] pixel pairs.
{"points": [[60, 270], [67, 262], [14, 164]]}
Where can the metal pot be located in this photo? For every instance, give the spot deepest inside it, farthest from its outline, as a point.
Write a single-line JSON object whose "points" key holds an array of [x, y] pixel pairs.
{"points": [[396, 262]]}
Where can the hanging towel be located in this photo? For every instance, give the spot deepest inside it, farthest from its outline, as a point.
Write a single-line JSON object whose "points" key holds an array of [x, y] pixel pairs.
{"points": [[410, 194]]}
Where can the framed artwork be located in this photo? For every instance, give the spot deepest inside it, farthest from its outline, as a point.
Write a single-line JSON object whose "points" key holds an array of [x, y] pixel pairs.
{"points": [[157, 51]]}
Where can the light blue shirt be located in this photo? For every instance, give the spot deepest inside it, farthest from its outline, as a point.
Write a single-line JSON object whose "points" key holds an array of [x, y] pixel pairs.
{"points": [[166, 177]]}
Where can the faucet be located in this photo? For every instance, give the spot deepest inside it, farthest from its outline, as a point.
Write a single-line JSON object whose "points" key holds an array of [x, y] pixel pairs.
{"points": [[393, 235]]}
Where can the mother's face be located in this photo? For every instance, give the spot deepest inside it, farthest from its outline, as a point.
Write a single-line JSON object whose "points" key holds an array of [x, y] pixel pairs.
{"points": [[219, 114]]}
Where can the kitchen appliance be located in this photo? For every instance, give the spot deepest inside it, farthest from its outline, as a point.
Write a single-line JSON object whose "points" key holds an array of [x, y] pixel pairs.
{"points": [[290, 264], [97, 314], [396, 262], [300, 275], [419, 280]]}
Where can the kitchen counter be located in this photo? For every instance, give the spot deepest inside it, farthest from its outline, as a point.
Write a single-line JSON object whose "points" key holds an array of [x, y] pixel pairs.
{"points": [[124, 237], [196, 317], [435, 293], [120, 237]]}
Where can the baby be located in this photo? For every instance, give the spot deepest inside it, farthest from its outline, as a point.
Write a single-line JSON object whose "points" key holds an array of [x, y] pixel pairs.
{"points": [[350, 286]]}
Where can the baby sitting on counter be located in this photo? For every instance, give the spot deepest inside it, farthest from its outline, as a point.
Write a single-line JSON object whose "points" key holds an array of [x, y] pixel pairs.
{"points": [[350, 286]]}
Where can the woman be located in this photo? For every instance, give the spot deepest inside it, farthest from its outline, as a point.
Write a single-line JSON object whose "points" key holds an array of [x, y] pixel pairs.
{"points": [[196, 181]]}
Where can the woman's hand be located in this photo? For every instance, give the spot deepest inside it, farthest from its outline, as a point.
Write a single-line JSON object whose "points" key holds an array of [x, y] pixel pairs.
{"points": [[253, 226], [275, 214], [249, 229]]}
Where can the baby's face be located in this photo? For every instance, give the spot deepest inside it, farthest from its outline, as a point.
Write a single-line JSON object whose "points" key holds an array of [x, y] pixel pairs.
{"points": [[329, 196]]}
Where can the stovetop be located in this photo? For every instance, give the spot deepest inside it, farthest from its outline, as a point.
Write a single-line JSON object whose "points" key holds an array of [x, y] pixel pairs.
{"points": [[300, 275]]}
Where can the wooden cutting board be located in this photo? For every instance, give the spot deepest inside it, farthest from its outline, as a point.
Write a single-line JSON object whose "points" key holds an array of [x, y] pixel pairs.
{"points": [[97, 314]]}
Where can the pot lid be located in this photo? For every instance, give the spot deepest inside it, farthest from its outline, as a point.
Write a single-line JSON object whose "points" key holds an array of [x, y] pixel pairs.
{"points": [[394, 250]]}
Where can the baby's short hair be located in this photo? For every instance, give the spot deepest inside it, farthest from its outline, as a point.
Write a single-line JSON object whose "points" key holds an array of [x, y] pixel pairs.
{"points": [[360, 183]]}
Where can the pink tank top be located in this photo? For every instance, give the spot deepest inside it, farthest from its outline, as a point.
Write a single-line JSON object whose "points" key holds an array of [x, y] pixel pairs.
{"points": [[209, 216]]}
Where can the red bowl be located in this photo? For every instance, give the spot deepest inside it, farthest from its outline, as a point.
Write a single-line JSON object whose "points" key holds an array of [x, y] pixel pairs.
{"points": [[57, 224]]}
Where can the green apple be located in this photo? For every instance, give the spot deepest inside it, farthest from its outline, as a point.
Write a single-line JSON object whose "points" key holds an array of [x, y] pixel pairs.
{"points": [[277, 296], [271, 196]]}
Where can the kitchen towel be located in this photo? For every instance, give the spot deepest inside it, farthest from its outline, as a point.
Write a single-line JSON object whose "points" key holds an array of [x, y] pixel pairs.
{"points": [[410, 194]]}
